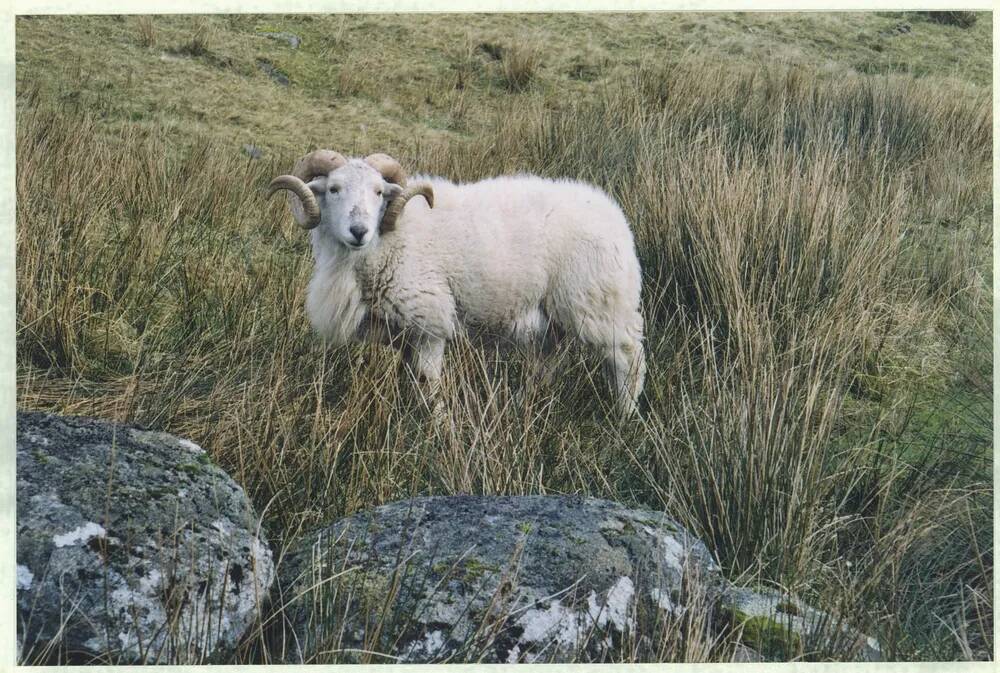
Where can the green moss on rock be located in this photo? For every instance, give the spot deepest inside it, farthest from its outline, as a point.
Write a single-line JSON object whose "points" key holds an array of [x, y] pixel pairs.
{"points": [[767, 635]]}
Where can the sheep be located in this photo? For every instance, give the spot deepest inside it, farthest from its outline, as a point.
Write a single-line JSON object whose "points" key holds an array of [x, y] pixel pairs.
{"points": [[518, 256]]}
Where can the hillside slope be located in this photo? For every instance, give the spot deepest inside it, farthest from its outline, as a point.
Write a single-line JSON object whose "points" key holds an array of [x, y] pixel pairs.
{"points": [[371, 81]]}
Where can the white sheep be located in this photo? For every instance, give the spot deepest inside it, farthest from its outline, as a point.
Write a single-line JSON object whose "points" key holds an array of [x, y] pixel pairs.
{"points": [[519, 256]]}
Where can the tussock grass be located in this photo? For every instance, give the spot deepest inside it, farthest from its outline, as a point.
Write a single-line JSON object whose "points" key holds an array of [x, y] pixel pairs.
{"points": [[518, 64], [200, 40], [816, 266], [146, 31]]}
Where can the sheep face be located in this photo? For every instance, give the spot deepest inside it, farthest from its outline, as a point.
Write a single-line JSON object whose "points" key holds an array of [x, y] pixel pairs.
{"points": [[352, 200]]}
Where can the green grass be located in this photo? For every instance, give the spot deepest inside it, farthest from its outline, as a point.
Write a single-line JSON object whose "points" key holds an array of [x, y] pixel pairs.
{"points": [[812, 212]]}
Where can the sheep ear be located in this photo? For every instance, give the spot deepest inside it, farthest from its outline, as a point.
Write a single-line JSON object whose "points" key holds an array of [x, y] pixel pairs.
{"points": [[317, 186], [390, 190]]}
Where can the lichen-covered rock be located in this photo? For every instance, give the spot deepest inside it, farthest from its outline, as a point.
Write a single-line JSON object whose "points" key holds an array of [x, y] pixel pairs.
{"points": [[781, 627], [131, 546], [490, 579]]}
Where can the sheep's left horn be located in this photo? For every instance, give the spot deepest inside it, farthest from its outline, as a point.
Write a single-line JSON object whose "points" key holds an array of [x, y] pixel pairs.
{"points": [[395, 207]]}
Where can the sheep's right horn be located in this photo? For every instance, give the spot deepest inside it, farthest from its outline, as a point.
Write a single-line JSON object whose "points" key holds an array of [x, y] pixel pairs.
{"points": [[318, 162], [295, 185]]}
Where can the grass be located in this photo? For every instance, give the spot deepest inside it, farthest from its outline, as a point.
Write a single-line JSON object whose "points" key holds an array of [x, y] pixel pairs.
{"points": [[196, 45], [519, 65], [815, 240], [418, 58], [146, 31]]}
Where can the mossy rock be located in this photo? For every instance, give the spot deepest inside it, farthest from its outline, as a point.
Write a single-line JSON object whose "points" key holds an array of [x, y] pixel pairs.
{"points": [[781, 627], [487, 579], [130, 543]]}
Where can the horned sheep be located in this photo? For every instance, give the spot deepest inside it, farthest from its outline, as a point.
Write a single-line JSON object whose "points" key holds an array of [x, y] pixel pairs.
{"points": [[520, 256]]}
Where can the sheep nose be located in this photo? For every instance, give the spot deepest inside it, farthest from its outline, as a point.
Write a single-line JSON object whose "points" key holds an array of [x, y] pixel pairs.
{"points": [[358, 232]]}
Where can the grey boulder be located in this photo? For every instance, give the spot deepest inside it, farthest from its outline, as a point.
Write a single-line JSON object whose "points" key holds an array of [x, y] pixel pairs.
{"points": [[132, 547], [529, 579], [488, 579]]}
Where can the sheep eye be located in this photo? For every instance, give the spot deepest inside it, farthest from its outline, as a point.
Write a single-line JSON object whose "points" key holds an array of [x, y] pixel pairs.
{"points": [[334, 189], [378, 192]]}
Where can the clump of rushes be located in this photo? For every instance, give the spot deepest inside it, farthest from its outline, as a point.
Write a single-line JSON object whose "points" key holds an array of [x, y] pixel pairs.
{"points": [[146, 30], [518, 65], [200, 40]]}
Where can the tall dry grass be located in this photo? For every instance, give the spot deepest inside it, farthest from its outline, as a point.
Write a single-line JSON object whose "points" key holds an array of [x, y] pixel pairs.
{"points": [[518, 65], [815, 257]]}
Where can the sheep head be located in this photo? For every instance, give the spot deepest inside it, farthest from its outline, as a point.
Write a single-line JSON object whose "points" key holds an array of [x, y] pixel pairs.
{"points": [[359, 199]]}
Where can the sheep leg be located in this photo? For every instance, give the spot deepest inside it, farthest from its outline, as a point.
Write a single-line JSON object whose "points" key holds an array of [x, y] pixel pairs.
{"points": [[626, 365], [616, 334], [620, 343], [538, 339], [542, 364], [424, 361]]}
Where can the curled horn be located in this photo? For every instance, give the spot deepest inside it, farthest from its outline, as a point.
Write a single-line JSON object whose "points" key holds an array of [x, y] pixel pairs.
{"points": [[389, 168], [392, 172], [395, 206], [304, 208]]}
